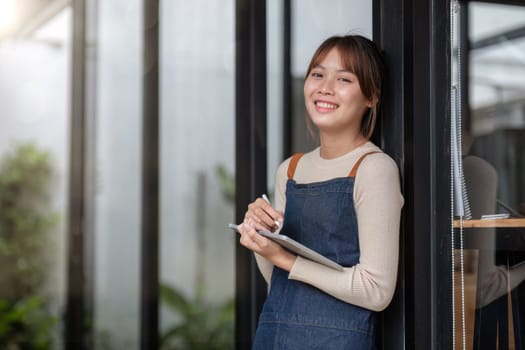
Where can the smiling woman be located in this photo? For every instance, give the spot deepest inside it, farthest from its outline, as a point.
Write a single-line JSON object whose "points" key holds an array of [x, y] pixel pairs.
{"points": [[333, 97], [342, 200], [344, 67]]}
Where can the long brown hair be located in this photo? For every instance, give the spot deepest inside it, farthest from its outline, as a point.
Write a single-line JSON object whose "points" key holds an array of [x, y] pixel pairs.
{"points": [[362, 57]]}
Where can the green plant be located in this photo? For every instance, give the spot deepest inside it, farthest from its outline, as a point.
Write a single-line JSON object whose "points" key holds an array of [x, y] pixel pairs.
{"points": [[26, 220], [201, 325], [226, 182], [25, 324]]}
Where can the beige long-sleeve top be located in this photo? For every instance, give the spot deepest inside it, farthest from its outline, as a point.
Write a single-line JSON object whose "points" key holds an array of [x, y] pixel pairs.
{"points": [[378, 202]]}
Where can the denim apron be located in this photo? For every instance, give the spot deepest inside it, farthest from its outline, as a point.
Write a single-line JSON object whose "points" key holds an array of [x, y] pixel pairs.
{"points": [[295, 315]]}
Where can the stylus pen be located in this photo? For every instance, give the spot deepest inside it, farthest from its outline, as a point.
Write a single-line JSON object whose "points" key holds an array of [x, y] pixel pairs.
{"points": [[235, 227], [265, 197]]}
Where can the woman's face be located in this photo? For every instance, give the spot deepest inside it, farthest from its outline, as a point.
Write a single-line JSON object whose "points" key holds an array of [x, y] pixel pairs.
{"points": [[333, 97]]}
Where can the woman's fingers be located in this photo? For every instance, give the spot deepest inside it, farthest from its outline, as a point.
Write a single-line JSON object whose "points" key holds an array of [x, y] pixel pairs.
{"points": [[265, 247], [250, 238], [263, 214]]}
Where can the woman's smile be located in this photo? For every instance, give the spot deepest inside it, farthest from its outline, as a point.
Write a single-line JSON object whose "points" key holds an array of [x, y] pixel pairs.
{"points": [[323, 106], [333, 96]]}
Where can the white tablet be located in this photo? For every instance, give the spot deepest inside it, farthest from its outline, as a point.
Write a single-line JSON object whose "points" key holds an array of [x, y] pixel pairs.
{"points": [[297, 248]]}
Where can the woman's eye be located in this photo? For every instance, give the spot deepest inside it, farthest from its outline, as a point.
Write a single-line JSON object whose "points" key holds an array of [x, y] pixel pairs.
{"points": [[316, 75], [345, 80]]}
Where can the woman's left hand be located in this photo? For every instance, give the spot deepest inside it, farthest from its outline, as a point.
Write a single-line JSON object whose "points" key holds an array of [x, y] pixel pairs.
{"points": [[265, 247]]}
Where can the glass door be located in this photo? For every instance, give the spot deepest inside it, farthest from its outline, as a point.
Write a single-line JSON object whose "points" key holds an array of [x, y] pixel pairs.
{"points": [[487, 143]]}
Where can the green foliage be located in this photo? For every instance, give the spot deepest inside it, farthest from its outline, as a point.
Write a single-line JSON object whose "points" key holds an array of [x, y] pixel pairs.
{"points": [[227, 183], [201, 326], [26, 221], [25, 324]]}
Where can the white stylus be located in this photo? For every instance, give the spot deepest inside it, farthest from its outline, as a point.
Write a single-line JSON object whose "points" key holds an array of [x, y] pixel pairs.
{"points": [[265, 197]]}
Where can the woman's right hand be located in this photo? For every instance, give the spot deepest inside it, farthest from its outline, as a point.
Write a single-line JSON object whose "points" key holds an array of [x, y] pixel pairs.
{"points": [[263, 215]]}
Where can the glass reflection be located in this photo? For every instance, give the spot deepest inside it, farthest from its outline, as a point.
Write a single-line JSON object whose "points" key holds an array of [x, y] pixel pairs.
{"points": [[493, 166]]}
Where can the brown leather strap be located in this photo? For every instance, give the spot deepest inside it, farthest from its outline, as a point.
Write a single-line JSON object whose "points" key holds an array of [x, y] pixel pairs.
{"points": [[353, 172], [293, 164]]}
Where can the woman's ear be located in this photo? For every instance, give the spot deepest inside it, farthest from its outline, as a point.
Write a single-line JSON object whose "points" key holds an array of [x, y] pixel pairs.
{"points": [[371, 103]]}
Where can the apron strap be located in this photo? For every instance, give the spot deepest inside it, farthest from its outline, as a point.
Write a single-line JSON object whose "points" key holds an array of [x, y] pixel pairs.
{"points": [[293, 164], [353, 172]]}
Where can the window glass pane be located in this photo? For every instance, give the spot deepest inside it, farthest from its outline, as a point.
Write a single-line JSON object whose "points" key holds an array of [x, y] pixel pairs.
{"points": [[490, 270], [114, 144], [197, 77], [274, 83], [34, 165]]}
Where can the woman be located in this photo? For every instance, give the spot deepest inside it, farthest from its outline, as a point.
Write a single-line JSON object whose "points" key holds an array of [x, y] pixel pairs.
{"points": [[343, 200]]}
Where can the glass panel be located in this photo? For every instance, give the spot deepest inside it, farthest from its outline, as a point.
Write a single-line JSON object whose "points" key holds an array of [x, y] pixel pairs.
{"points": [[115, 144], [197, 173], [312, 22], [490, 295], [274, 81], [34, 165]]}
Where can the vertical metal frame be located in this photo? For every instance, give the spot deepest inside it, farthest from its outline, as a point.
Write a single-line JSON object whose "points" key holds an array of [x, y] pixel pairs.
{"points": [[389, 33], [75, 332], [414, 131], [251, 155], [439, 211], [149, 273]]}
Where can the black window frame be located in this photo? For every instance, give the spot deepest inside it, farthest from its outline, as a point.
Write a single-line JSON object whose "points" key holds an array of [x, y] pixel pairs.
{"points": [[415, 132]]}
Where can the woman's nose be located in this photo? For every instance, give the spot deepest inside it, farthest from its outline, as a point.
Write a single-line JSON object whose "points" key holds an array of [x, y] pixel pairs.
{"points": [[326, 87]]}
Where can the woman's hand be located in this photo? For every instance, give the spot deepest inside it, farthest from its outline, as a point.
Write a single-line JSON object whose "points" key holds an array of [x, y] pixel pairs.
{"points": [[265, 247], [263, 215]]}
